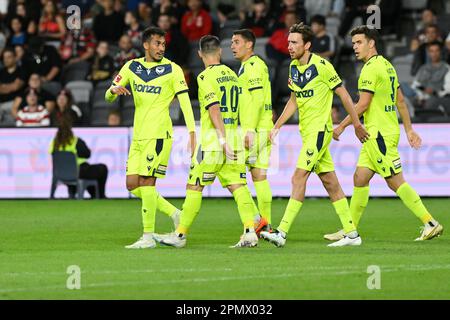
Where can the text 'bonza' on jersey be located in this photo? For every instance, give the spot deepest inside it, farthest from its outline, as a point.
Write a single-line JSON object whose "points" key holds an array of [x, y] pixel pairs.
{"points": [[313, 85], [379, 78], [255, 109], [218, 84], [153, 85]]}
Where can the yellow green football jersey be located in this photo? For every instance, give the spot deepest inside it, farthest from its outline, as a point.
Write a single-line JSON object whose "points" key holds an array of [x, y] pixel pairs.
{"points": [[313, 85], [255, 109], [153, 85], [218, 84], [379, 77]]}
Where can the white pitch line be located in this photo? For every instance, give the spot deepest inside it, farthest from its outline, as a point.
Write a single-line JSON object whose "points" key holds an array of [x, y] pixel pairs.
{"points": [[234, 278]]}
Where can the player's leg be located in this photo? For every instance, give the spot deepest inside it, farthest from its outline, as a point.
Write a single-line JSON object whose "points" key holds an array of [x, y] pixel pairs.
{"points": [[413, 202], [294, 205], [233, 177]]}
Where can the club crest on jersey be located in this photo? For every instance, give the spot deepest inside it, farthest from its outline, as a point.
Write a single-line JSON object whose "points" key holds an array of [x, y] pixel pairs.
{"points": [[159, 70], [295, 76], [308, 74]]}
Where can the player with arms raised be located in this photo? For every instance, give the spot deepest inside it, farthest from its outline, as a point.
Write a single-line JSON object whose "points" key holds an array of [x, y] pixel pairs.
{"points": [[154, 81], [380, 96], [313, 81]]}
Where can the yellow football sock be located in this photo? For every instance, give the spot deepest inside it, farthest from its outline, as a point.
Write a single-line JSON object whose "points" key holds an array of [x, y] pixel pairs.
{"points": [[264, 196], [290, 214], [413, 202], [191, 208], [358, 203], [343, 211], [245, 205], [165, 206], [148, 208], [137, 192]]}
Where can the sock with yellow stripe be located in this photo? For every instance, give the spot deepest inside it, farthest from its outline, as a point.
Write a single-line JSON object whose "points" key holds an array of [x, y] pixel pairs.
{"points": [[165, 206], [264, 196], [343, 211], [413, 202], [149, 196], [358, 203], [162, 204], [246, 206], [292, 209], [191, 208]]}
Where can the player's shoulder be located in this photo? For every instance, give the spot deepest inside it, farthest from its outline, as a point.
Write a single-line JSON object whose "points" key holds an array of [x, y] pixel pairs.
{"points": [[320, 63], [256, 62]]}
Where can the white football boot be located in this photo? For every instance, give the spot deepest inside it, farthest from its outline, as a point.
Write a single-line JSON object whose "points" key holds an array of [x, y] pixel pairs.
{"points": [[335, 236], [143, 243], [431, 231], [247, 240], [173, 240], [274, 237], [347, 241]]}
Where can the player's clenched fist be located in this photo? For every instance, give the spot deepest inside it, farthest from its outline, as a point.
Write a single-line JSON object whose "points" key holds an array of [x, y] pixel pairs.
{"points": [[119, 90]]}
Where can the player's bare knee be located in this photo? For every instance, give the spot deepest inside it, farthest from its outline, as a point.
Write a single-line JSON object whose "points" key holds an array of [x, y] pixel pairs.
{"points": [[132, 182], [359, 180]]}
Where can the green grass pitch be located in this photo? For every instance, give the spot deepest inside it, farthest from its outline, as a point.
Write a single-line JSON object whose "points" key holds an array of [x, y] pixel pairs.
{"points": [[40, 239]]}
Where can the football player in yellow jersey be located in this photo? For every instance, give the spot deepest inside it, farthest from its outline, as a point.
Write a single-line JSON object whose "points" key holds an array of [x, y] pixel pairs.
{"points": [[380, 97], [313, 81], [154, 81], [255, 114], [222, 154]]}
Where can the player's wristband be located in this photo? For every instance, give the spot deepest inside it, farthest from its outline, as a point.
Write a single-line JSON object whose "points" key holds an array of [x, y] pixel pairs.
{"points": [[222, 141]]}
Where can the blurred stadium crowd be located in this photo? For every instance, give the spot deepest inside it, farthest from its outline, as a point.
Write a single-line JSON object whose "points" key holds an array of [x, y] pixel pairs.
{"points": [[48, 69]]}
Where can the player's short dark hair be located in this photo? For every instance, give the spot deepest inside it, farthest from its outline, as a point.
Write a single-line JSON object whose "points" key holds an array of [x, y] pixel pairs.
{"points": [[304, 30], [319, 19], [368, 32], [434, 43], [150, 31], [209, 44], [247, 34]]}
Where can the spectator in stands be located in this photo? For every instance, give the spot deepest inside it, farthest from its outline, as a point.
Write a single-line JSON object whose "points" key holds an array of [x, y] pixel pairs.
{"points": [[281, 9], [102, 66], [177, 46], [33, 114], [51, 24], [29, 23], [65, 106], [43, 59], [145, 14], [20, 54], [421, 54], [2, 42], [108, 25], [353, 10], [12, 80], [323, 43], [17, 34], [77, 46], [170, 7], [134, 29], [114, 118], [257, 19], [428, 18], [277, 46], [65, 140], [432, 83], [196, 22], [125, 53], [45, 98]]}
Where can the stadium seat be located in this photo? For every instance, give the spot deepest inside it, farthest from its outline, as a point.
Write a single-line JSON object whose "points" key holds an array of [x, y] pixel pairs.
{"points": [[229, 27], [65, 171], [98, 100], [414, 4], [402, 65], [424, 115], [260, 48], [76, 71], [99, 116], [333, 24], [81, 90], [52, 86], [194, 60]]}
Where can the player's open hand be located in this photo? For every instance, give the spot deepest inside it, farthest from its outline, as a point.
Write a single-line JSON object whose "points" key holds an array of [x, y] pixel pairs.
{"points": [[249, 139], [273, 134], [229, 153], [120, 91], [415, 141], [361, 133]]}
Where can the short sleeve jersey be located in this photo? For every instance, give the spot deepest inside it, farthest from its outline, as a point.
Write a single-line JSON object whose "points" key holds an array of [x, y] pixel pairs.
{"points": [[218, 84], [153, 85], [379, 78], [313, 85], [254, 75]]}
